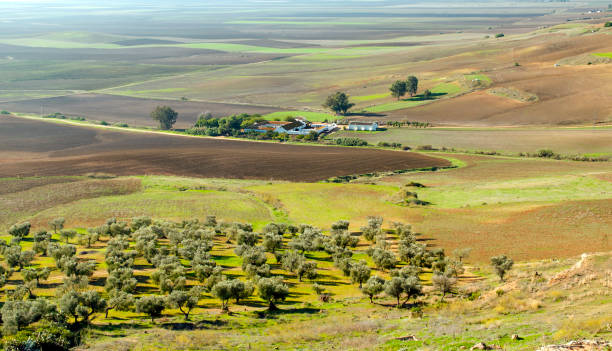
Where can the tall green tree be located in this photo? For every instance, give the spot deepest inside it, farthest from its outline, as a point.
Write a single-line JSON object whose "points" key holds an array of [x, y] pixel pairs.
{"points": [[412, 85], [338, 102], [398, 89], [165, 115]]}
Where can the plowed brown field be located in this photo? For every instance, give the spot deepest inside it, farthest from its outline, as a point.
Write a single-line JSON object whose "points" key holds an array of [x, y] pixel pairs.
{"points": [[39, 148]]}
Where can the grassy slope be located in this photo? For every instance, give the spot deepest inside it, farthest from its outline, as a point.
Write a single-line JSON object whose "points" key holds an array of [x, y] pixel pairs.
{"points": [[506, 227], [533, 309], [487, 204]]}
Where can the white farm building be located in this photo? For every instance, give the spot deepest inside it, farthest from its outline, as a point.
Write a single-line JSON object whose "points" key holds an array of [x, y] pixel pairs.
{"points": [[299, 126], [367, 126]]}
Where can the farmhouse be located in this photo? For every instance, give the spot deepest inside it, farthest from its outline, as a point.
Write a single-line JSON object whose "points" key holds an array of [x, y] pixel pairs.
{"points": [[369, 126], [299, 126]]}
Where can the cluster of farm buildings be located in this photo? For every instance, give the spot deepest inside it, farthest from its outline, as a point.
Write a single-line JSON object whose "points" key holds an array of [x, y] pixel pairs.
{"points": [[300, 126]]}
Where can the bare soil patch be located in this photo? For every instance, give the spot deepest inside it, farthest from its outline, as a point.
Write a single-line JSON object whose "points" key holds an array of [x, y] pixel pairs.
{"points": [[129, 153]]}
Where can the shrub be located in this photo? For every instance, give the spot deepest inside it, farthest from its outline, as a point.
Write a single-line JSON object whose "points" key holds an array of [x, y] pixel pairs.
{"points": [[48, 336], [4, 112], [104, 123], [121, 125], [351, 142], [499, 35], [608, 24], [547, 153]]}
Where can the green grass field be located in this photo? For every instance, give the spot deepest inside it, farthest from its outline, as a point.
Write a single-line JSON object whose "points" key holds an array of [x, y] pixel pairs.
{"points": [[311, 116], [438, 91], [604, 54]]}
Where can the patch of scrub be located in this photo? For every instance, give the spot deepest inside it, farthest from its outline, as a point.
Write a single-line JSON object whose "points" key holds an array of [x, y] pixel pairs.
{"points": [[550, 189], [514, 94]]}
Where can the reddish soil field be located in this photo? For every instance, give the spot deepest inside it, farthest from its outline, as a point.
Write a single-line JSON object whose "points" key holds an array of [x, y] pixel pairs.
{"points": [[59, 149], [567, 94], [134, 111]]}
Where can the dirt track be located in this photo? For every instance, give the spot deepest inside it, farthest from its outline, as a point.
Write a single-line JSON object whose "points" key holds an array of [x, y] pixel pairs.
{"points": [[39, 148]]}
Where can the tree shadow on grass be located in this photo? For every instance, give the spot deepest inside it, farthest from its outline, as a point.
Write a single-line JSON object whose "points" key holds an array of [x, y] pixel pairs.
{"points": [[98, 281], [142, 279], [147, 290], [421, 97], [49, 285], [183, 325], [296, 295], [252, 303], [272, 314], [315, 258], [118, 327]]}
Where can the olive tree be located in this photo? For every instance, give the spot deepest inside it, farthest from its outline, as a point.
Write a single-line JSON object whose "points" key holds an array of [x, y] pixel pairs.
{"points": [[383, 259], [67, 234], [19, 231], [81, 305], [272, 242], [307, 270], [272, 290], [374, 286], [170, 274], [57, 224], [119, 300], [444, 284], [502, 265], [42, 239], [121, 279], [462, 253], [397, 287], [360, 273], [15, 257], [240, 290], [17, 314], [373, 229], [35, 275], [223, 291], [185, 301], [151, 305]]}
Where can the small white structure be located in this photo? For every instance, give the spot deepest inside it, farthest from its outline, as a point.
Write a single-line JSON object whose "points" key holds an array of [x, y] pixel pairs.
{"points": [[363, 126]]}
